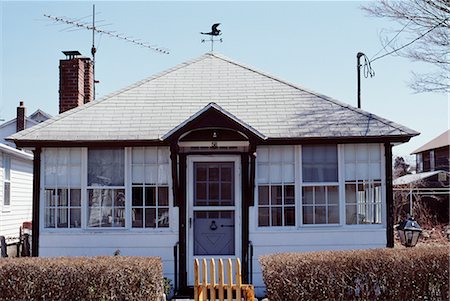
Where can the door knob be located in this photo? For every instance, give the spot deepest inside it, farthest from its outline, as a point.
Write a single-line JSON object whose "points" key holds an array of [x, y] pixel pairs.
{"points": [[213, 226]]}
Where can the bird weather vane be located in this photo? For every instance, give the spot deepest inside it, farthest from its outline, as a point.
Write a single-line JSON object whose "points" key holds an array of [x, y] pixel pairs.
{"points": [[213, 33]]}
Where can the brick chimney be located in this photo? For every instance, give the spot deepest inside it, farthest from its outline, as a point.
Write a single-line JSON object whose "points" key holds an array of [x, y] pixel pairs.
{"points": [[76, 81], [21, 118]]}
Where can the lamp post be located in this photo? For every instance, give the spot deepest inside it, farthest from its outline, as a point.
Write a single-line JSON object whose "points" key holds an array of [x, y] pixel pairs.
{"points": [[409, 231]]}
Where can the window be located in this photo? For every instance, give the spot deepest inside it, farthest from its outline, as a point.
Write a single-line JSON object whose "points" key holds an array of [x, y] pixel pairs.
{"points": [[276, 188], [7, 180], [419, 162], [62, 188], [320, 192], [106, 188], [363, 189], [150, 190], [432, 161]]}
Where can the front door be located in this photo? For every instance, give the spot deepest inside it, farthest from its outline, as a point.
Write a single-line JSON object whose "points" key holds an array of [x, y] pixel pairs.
{"points": [[213, 209]]}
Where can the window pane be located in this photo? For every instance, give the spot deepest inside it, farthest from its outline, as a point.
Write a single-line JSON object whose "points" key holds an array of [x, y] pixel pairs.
{"points": [[163, 196], [163, 218], [333, 214], [200, 193], [275, 154], [320, 215], [150, 218], [75, 218], [226, 192], [213, 191], [163, 155], [263, 154], [288, 173], [163, 174], [308, 215], [62, 197], [7, 167], [320, 163], [320, 195], [263, 195], [350, 215], [150, 196], [75, 197], [151, 174], [49, 218], [213, 173], [289, 195], [75, 176], [63, 218], [200, 173], [263, 173], [308, 195], [49, 198], [263, 217], [350, 193], [137, 173], [289, 216], [227, 173], [137, 218], [276, 216], [275, 173], [7, 194], [137, 155], [333, 195], [151, 155], [106, 167], [119, 198], [138, 196], [276, 195]]}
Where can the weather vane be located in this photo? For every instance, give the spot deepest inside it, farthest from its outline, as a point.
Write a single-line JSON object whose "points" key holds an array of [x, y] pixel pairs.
{"points": [[214, 33]]}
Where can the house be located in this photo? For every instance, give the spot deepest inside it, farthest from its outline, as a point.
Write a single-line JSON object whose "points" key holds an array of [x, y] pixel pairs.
{"points": [[434, 155], [211, 158], [432, 181], [16, 175]]}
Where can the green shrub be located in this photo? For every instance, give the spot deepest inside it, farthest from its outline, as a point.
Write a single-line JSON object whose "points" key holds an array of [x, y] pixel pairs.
{"points": [[377, 274], [81, 278]]}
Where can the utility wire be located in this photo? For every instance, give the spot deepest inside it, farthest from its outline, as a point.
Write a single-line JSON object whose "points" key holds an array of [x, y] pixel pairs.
{"points": [[390, 41], [407, 44]]}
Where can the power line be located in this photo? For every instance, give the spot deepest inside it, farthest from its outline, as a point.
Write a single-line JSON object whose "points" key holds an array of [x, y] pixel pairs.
{"points": [[390, 41], [411, 42]]}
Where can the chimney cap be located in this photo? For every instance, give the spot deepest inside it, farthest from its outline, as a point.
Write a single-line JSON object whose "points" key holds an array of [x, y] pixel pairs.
{"points": [[71, 54], [21, 104]]}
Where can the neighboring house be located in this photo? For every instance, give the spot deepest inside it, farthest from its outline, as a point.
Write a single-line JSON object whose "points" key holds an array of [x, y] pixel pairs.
{"points": [[434, 155], [431, 182], [211, 159], [16, 175]]}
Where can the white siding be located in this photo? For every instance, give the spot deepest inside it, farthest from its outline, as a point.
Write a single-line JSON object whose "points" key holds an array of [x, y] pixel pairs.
{"points": [[105, 243], [20, 210]]}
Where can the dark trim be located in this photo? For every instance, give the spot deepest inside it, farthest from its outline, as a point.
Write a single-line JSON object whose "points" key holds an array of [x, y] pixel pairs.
{"points": [[175, 183], [389, 196], [36, 197], [96, 143], [244, 215], [157, 142], [337, 140], [182, 220], [252, 152]]}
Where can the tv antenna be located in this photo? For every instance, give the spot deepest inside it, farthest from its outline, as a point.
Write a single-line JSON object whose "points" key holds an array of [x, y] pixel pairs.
{"points": [[213, 33], [78, 24]]}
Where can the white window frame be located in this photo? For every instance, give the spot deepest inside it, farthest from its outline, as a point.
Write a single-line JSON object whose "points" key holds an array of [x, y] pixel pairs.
{"points": [[320, 184], [156, 186], [43, 187], [382, 165], [6, 180], [283, 185]]}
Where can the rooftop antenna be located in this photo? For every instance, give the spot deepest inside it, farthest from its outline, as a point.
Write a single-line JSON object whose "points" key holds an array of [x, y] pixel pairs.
{"points": [[213, 33], [368, 71], [77, 24]]}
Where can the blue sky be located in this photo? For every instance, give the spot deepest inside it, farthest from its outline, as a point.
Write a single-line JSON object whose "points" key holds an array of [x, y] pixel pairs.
{"points": [[311, 44]]}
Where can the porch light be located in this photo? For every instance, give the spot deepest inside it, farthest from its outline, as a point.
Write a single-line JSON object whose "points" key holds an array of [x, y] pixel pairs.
{"points": [[409, 232]]}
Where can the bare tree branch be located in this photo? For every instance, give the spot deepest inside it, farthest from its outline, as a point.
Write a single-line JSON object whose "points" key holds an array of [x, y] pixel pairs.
{"points": [[423, 36]]}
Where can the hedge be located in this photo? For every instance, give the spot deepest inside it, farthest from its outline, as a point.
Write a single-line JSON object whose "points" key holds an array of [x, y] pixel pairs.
{"points": [[376, 274], [81, 278]]}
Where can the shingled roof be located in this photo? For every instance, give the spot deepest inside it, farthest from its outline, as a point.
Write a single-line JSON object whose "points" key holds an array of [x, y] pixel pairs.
{"points": [[151, 108]]}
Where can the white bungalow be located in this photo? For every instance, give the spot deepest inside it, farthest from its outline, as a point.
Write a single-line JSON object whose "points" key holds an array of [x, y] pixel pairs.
{"points": [[211, 159]]}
